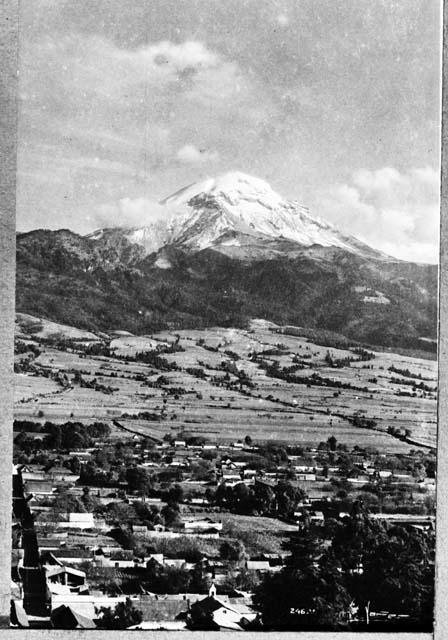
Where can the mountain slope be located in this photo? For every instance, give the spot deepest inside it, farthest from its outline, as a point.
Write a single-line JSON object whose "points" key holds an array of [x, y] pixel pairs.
{"points": [[232, 250], [330, 289]]}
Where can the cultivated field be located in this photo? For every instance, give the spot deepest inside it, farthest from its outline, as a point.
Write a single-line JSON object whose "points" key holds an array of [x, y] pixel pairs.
{"points": [[219, 383]]}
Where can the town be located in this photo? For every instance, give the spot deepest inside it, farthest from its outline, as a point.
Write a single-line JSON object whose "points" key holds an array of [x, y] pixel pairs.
{"points": [[163, 525], [137, 519]]}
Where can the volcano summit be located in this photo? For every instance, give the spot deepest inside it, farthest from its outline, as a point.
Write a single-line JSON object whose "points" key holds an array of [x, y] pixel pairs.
{"points": [[240, 216]]}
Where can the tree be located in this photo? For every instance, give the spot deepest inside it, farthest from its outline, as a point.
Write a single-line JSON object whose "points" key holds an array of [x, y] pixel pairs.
{"points": [[305, 594], [87, 500], [66, 503], [398, 574], [263, 497], [233, 551], [390, 568], [124, 615], [248, 440], [287, 497], [171, 514], [332, 443], [240, 498], [75, 465], [138, 480], [175, 494], [199, 583]]}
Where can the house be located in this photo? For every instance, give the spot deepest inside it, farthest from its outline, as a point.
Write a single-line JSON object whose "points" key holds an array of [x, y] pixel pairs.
{"points": [[40, 487], [71, 580], [233, 483], [118, 558], [203, 524], [81, 520], [33, 472], [58, 574], [403, 477], [66, 617], [359, 480], [162, 612], [139, 529], [85, 605], [303, 468], [82, 453], [249, 473], [62, 474], [175, 562], [317, 517], [66, 556], [199, 501], [50, 542], [258, 565], [177, 461], [156, 557], [220, 613], [230, 474]]}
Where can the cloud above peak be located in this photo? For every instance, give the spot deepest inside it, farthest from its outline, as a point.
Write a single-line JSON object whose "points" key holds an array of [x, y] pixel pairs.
{"points": [[397, 212], [190, 154], [188, 54]]}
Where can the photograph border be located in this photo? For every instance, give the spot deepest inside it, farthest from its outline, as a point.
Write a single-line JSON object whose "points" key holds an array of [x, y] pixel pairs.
{"points": [[9, 43]]}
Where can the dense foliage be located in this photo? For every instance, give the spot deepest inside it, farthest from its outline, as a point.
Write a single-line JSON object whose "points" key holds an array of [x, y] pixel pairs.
{"points": [[347, 570], [72, 280]]}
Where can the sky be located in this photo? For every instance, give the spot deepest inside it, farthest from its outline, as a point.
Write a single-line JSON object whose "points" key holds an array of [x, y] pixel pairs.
{"points": [[335, 103]]}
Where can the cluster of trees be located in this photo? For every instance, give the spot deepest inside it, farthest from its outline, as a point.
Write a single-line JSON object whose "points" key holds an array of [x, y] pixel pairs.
{"points": [[260, 499], [363, 354], [273, 370], [66, 436], [123, 615], [157, 578], [416, 386], [21, 347], [399, 433], [338, 363], [337, 575], [67, 503], [92, 384], [197, 372], [407, 374], [362, 422], [125, 515], [154, 359]]}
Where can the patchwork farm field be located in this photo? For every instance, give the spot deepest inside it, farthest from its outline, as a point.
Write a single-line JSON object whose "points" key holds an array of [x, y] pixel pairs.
{"points": [[228, 383]]}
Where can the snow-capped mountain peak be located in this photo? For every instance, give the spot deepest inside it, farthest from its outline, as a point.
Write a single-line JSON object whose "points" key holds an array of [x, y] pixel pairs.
{"points": [[234, 187], [238, 214], [236, 203]]}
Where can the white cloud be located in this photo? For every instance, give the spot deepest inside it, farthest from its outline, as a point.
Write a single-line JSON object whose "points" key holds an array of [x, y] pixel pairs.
{"points": [[282, 19], [397, 212], [190, 154], [140, 211], [127, 212], [189, 54]]}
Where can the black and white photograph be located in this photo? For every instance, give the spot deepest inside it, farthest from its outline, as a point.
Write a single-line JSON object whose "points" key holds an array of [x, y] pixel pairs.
{"points": [[226, 315]]}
